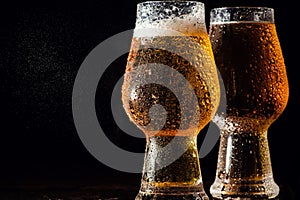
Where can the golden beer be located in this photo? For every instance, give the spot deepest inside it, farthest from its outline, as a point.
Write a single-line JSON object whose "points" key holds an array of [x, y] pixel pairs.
{"points": [[171, 91], [195, 66]]}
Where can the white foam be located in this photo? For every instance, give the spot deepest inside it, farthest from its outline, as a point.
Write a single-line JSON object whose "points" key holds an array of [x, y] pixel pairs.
{"points": [[169, 27], [169, 18]]}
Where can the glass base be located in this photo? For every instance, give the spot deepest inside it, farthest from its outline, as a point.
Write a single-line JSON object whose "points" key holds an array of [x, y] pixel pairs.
{"points": [[160, 196], [266, 189]]}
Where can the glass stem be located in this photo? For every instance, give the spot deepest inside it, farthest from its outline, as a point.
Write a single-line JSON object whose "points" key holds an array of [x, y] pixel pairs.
{"points": [[171, 168], [244, 166]]}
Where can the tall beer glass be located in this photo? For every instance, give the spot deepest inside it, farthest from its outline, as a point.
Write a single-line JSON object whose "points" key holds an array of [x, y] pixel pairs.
{"points": [[171, 91], [249, 57]]}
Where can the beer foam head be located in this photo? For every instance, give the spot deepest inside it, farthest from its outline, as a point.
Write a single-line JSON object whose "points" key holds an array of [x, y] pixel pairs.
{"points": [[169, 18]]}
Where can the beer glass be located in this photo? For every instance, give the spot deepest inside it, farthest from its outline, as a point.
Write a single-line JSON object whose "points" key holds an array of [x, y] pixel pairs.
{"points": [[249, 57], [171, 91]]}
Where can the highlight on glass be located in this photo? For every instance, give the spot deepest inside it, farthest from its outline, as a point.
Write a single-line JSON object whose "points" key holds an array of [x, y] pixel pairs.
{"points": [[171, 92], [249, 57]]}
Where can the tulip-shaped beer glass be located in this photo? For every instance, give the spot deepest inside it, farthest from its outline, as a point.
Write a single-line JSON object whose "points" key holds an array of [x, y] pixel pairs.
{"points": [[171, 91], [248, 54]]}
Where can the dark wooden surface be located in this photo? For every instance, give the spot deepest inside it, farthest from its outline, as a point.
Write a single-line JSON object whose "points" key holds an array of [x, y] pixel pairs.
{"points": [[104, 191], [93, 193]]}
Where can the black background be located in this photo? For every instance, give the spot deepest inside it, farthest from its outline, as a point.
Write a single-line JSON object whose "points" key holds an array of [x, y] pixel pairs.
{"points": [[43, 44]]}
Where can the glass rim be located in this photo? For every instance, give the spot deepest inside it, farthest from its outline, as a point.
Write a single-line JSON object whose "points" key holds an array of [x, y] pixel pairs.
{"points": [[173, 1], [242, 14], [180, 15], [246, 7]]}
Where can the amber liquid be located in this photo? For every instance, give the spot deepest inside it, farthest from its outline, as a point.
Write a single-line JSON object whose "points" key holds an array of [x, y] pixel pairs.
{"points": [[250, 60], [252, 67]]}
